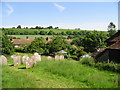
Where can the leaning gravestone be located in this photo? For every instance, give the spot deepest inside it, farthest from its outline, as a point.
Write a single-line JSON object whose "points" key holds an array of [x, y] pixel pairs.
{"points": [[49, 58], [3, 60], [16, 60], [57, 57], [31, 62], [37, 57], [34, 59], [24, 59], [12, 56], [61, 57]]}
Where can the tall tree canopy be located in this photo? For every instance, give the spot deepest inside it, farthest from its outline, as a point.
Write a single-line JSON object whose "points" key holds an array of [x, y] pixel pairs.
{"points": [[57, 44], [38, 45], [7, 46], [111, 29]]}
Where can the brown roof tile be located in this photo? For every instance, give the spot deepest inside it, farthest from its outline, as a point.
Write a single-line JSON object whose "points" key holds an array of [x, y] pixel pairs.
{"points": [[22, 41], [114, 46]]}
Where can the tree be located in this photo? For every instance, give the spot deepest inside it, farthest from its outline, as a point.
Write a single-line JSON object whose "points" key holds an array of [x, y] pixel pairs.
{"points": [[7, 46], [36, 27], [50, 27], [43, 33], [56, 27], [57, 44], [111, 29], [51, 32], [26, 27], [91, 41], [38, 45], [19, 26], [80, 51]]}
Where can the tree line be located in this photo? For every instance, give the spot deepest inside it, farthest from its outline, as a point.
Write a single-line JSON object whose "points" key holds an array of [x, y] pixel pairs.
{"points": [[79, 46]]}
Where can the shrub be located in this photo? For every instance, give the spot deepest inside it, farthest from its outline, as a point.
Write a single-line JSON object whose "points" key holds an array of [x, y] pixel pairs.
{"points": [[19, 49], [108, 66], [88, 61]]}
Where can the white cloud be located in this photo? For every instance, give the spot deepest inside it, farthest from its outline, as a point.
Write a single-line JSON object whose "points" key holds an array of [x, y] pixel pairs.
{"points": [[59, 7], [10, 9]]}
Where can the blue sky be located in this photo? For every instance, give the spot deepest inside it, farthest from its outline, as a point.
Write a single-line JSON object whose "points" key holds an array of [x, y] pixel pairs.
{"points": [[84, 15]]}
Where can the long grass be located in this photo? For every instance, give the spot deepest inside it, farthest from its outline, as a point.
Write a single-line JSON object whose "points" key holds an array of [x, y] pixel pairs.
{"points": [[90, 76], [58, 74]]}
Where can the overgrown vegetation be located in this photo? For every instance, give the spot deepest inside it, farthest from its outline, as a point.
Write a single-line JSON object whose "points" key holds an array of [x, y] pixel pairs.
{"points": [[58, 74], [6, 45], [89, 61]]}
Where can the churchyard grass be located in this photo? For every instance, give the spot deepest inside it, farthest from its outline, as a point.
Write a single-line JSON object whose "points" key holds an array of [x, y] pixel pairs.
{"points": [[57, 74]]}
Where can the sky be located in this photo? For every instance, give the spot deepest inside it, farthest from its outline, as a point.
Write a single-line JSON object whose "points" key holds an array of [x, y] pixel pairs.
{"points": [[65, 15]]}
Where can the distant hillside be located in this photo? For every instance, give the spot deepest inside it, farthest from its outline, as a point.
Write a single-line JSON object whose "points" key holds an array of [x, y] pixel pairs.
{"points": [[11, 31]]}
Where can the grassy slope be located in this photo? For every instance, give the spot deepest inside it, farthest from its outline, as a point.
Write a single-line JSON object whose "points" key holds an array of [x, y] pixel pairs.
{"points": [[57, 74], [33, 36]]}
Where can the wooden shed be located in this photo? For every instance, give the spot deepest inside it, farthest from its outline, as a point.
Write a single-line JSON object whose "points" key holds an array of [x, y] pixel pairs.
{"points": [[112, 52]]}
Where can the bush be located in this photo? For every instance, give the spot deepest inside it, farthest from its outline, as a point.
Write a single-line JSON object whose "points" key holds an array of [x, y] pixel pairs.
{"points": [[108, 66], [6, 45], [88, 61], [18, 49]]}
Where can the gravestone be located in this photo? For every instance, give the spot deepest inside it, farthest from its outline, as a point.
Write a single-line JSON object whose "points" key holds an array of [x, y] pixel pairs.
{"points": [[16, 60], [24, 58], [31, 62], [49, 58], [34, 59], [56, 57], [61, 57], [12, 56], [3, 60], [37, 57]]}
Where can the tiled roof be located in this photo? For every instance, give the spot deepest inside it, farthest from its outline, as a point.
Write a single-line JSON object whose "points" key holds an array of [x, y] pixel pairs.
{"points": [[115, 37], [21, 41], [96, 54], [114, 46]]}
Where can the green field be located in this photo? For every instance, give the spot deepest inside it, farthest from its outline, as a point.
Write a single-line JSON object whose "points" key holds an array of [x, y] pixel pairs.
{"points": [[56, 30], [57, 74], [34, 36]]}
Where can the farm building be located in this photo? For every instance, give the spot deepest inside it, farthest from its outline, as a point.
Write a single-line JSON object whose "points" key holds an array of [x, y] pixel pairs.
{"points": [[112, 52], [21, 42]]}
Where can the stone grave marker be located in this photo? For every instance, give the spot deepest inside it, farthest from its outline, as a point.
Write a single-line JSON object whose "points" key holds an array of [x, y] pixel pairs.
{"points": [[24, 59], [16, 60], [57, 57], [31, 62], [61, 57], [37, 57], [49, 58], [3, 60]]}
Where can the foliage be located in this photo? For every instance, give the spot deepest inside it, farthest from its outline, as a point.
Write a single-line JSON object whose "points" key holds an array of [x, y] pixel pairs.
{"points": [[111, 29], [80, 51], [101, 66], [87, 61], [38, 45], [19, 26], [22, 31], [108, 66], [19, 49], [57, 44], [57, 74], [7, 46], [91, 41]]}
